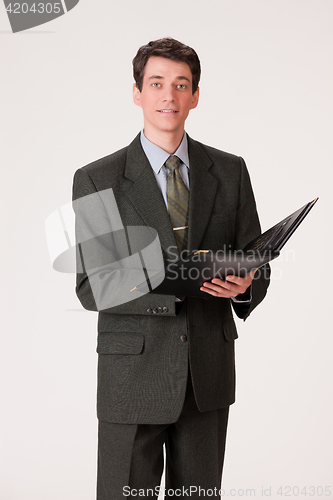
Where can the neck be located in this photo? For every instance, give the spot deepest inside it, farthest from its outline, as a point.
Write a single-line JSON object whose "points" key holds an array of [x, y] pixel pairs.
{"points": [[168, 141]]}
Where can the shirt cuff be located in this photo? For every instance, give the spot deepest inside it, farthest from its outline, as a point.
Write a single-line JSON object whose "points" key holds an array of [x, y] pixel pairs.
{"points": [[244, 298]]}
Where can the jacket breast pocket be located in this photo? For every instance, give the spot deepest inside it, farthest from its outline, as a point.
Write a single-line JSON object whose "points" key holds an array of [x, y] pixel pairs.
{"points": [[120, 343], [219, 232]]}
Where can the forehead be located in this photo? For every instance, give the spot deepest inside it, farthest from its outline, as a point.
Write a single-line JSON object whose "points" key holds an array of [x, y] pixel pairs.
{"points": [[166, 68]]}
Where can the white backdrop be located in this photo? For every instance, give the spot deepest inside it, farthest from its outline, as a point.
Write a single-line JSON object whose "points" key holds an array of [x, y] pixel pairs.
{"points": [[266, 94]]}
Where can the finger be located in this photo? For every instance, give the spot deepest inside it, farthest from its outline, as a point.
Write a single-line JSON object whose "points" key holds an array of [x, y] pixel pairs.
{"points": [[237, 280], [236, 286], [218, 282], [226, 285], [217, 285], [226, 294], [218, 291], [210, 287]]}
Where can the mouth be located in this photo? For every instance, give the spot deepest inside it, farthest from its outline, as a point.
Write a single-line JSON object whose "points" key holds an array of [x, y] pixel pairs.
{"points": [[169, 111]]}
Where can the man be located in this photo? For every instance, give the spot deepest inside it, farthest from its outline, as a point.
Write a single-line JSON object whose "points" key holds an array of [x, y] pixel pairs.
{"points": [[166, 364]]}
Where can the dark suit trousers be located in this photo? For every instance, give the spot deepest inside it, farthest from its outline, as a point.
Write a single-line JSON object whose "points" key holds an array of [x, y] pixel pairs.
{"points": [[130, 457]]}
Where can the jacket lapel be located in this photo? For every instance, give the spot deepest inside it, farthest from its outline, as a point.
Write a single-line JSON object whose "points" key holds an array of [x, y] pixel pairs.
{"points": [[146, 197], [203, 187]]}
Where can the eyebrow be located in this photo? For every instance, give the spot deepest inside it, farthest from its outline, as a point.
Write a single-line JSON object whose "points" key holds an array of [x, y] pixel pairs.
{"points": [[158, 77]]}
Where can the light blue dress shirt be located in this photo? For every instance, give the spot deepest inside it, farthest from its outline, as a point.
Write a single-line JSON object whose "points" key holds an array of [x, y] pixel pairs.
{"points": [[157, 157]]}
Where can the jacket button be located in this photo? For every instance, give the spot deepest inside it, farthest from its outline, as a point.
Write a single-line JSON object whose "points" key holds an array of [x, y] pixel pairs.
{"points": [[183, 338], [155, 310], [160, 309], [165, 309], [149, 310]]}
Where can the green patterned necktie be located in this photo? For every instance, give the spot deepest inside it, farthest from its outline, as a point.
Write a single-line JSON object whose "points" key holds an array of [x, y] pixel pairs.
{"points": [[177, 196]]}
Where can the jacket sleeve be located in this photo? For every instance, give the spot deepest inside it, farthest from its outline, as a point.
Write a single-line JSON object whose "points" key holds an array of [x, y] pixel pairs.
{"points": [[106, 270], [247, 227]]}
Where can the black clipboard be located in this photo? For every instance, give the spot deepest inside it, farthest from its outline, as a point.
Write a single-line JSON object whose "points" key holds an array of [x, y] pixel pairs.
{"points": [[187, 275]]}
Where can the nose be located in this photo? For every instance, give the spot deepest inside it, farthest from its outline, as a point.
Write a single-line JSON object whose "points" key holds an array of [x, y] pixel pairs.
{"points": [[169, 94]]}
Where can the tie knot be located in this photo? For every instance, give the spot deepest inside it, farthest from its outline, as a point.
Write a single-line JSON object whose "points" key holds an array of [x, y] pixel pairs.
{"points": [[172, 162]]}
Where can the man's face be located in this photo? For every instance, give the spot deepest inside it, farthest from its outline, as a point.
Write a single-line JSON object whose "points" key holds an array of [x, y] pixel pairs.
{"points": [[166, 96]]}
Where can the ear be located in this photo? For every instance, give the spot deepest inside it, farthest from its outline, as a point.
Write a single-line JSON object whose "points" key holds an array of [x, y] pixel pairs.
{"points": [[195, 99], [136, 95]]}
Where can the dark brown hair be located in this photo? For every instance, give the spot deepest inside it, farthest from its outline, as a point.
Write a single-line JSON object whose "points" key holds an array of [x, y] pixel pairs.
{"points": [[170, 49]]}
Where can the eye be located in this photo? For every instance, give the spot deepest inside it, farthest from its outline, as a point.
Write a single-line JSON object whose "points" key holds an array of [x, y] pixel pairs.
{"points": [[181, 86], [155, 84]]}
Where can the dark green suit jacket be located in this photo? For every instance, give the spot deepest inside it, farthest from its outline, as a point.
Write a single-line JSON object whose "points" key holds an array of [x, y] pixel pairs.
{"points": [[144, 346]]}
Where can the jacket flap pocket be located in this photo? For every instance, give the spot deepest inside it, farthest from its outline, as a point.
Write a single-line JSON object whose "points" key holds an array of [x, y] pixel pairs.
{"points": [[229, 330], [120, 343]]}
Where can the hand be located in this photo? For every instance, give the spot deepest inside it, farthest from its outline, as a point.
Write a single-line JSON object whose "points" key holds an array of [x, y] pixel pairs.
{"points": [[233, 286]]}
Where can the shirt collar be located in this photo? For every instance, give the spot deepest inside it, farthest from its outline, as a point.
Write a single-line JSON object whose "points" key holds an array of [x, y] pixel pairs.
{"points": [[157, 156]]}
